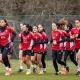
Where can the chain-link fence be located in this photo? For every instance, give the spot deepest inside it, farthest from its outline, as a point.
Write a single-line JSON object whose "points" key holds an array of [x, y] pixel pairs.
{"points": [[46, 20]]}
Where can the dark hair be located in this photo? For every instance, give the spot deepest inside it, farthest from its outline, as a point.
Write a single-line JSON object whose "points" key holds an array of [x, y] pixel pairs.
{"points": [[5, 21], [27, 26], [78, 20], [43, 27], [70, 26], [30, 28], [60, 25]]}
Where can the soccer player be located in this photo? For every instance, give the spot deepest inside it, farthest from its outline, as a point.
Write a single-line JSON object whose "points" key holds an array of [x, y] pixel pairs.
{"points": [[56, 39], [26, 45], [36, 59], [70, 45], [44, 45], [11, 45], [20, 51], [76, 33], [5, 30]]}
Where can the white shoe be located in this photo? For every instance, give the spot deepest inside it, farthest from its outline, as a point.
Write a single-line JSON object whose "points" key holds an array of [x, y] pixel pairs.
{"points": [[28, 72], [41, 72], [7, 73]]}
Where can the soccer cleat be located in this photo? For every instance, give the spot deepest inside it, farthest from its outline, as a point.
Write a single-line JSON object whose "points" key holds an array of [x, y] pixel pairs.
{"points": [[78, 73], [67, 68], [7, 73], [41, 72], [44, 71], [63, 72], [57, 73], [20, 70], [34, 70], [28, 72]]}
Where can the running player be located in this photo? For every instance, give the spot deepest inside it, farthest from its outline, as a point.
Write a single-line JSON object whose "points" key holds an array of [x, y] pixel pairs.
{"points": [[76, 32], [4, 44], [26, 45], [20, 51], [44, 49], [56, 39], [70, 45], [36, 59]]}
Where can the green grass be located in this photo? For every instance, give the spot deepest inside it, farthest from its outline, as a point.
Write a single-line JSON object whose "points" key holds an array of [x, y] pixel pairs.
{"points": [[48, 76]]}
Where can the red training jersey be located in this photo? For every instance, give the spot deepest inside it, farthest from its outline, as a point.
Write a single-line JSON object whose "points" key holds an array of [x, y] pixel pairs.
{"points": [[27, 41], [56, 36], [44, 46], [75, 31], [4, 36], [37, 38]]}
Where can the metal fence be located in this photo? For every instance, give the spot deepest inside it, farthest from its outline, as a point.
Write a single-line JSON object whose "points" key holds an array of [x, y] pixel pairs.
{"points": [[46, 20]]}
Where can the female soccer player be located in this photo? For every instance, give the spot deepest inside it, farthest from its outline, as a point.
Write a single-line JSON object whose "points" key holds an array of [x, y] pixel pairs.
{"points": [[36, 59], [44, 45], [20, 51], [70, 45], [4, 44], [56, 40], [26, 45], [76, 32]]}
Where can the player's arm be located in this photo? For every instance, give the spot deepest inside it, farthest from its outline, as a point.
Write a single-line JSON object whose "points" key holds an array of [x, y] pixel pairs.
{"points": [[62, 40]]}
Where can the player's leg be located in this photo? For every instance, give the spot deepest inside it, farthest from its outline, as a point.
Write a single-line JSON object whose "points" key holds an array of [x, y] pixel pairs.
{"points": [[39, 56], [72, 57], [1, 58], [66, 56], [34, 62], [1, 51], [43, 61], [59, 57], [78, 56], [27, 56], [6, 61], [33, 59], [54, 58], [62, 66], [20, 61]]}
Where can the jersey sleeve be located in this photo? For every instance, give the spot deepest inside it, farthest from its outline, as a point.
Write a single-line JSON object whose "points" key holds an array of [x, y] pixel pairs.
{"points": [[11, 30], [41, 37], [32, 35], [45, 36]]}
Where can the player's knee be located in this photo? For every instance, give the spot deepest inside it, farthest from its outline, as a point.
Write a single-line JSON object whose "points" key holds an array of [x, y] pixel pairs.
{"points": [[78, 58], [20, 58], [0, 59], [32, 60], [3, 57], [59, 61], [38, 60]]}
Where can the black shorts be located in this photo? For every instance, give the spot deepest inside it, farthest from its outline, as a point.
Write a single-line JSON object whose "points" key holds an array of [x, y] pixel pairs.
{"points": [[77, 49], [28, 52], [44, 53], [38, 52], [10, 52], [2, 48]]}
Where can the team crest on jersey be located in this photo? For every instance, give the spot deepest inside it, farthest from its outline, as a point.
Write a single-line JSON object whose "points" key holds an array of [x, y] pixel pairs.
{"points": [[6, 31], [56, 35], [28, 36], [36, 37]]}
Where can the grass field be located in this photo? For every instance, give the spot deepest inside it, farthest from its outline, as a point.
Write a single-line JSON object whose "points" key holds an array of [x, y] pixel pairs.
{"points": [[48, 76]]}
